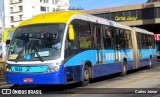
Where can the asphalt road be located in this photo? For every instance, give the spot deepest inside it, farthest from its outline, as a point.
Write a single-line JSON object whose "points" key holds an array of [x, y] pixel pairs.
{"points": [[138, 83]]}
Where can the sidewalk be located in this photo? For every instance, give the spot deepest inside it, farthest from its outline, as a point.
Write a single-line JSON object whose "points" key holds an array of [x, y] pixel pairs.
{"points": [[2, 78], [2, 72], [2, 81]]}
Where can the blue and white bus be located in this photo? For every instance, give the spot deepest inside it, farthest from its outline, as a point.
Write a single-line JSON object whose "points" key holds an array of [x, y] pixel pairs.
{"points": [[69, 47]]}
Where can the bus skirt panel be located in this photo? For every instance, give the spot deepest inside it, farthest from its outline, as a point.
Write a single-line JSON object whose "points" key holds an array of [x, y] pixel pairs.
{"points": [[106, 69], [143, 62], [110, 68]]}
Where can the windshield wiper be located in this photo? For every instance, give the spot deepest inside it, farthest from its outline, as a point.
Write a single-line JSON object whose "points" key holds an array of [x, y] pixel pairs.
{"points": [[27, 44], [36, 51]]}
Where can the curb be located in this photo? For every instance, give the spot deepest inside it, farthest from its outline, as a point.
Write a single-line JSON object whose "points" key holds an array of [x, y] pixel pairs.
{"points": [[3, 83]]}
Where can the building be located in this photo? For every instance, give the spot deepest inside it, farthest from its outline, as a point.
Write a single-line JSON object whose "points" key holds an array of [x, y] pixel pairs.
{"points": [[0, 25], [19, 10], [0, 30], [146, 16]]}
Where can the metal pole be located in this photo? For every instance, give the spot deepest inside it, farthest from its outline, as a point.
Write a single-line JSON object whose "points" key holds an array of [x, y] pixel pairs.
{"points": [[3, 28], [3, 16]]}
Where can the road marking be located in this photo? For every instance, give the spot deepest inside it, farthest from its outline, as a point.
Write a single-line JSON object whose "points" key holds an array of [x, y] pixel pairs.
{"points": [[135, 80]]}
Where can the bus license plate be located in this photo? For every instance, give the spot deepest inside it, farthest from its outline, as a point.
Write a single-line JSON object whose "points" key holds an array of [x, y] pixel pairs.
{"points": [[28, 80]]}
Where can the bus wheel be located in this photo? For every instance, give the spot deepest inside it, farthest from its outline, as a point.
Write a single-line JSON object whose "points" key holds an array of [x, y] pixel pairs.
{"points": [[124, 68], [86, 76], [150, 63]]}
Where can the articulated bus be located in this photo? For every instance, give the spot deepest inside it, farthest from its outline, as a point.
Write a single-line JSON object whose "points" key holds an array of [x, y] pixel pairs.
{"points": [[69, 47], [7, 36]]}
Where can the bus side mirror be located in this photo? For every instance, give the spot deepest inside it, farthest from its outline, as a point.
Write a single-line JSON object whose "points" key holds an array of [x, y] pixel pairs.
{"points": [[71, 32], [8, 42]]}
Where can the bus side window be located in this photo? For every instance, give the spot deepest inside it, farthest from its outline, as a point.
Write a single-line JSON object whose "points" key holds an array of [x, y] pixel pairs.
{"points": [[153, 41], [128, 39], [67, 48], [116, 38], [71, 47], [143, 41], [107, 38], [122, 35], [85, 41]]}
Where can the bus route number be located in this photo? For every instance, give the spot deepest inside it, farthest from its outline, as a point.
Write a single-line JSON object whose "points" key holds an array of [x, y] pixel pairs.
{"points": [[18, 69]]}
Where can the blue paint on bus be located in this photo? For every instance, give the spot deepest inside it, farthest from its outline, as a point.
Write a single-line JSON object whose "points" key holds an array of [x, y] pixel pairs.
{"points": [[71, 70], [38, 78]]}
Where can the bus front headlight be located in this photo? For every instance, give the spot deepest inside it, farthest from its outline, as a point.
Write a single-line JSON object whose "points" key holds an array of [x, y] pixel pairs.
{"points": [[54, 69], [8, 69]]}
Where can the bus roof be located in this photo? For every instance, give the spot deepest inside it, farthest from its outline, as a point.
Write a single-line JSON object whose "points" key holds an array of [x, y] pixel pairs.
{"points": [[106, 22], [52, 17], [142, 31], [65, 16]]}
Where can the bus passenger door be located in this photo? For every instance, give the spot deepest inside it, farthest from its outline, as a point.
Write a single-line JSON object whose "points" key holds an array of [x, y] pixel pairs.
{"points": [[97, 29]]}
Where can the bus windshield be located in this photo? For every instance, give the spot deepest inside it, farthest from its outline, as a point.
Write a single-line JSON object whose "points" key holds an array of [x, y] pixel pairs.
{"points": [[36, 43]]}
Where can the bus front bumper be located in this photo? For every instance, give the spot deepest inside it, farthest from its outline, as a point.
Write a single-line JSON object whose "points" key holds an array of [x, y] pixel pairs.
{"points": [[36, 78]]}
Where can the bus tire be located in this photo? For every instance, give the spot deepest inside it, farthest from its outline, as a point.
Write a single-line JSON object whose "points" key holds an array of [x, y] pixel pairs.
{"points": [[85, 75], [150, 63], [124, 68]]}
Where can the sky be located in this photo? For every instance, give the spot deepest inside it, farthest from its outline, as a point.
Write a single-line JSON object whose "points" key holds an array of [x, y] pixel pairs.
{"points": [[95, 4]]}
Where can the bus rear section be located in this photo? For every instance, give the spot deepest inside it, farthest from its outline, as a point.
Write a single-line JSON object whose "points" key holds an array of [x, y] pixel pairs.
{"points": [[146, 47], [158, 52], [157, 40]]}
